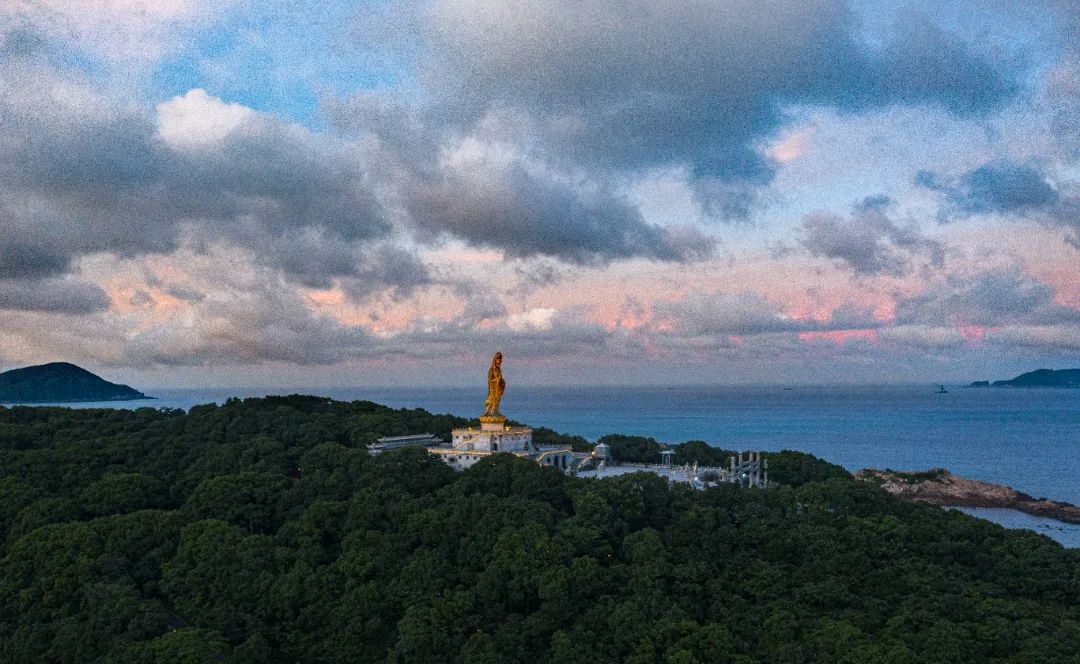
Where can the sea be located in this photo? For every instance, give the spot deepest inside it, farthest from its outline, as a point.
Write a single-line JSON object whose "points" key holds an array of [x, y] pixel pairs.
{"points": [[1028, 439]]}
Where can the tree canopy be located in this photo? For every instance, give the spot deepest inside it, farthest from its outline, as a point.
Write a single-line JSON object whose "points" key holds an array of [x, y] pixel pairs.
{"points": [[261, 530]]}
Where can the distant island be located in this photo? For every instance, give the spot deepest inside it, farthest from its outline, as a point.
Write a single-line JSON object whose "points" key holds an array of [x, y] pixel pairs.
{"points": [[1037, 378], [60, 382]]}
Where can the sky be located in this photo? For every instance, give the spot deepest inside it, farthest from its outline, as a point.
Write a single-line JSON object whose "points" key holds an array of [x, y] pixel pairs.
{"points": [[269, 193]]}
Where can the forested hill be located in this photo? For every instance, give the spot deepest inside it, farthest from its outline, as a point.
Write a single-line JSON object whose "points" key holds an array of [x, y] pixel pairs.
{"points": [[262, 531], [1043, 378], [60, 382], [1037, 378]]}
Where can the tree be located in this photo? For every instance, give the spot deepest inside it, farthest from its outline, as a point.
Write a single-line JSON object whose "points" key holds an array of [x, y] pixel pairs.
{"points": [[118, 493], [248, 499]]}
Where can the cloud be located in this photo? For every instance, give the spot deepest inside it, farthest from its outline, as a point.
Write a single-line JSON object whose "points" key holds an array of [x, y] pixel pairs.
{"points": [[63, 296], [536, 274], [625, 87], [700, 314], [255, 325], [387, 269], [990, 299], [196, 121], [925, 65], [220, 310], [745, 314], [529, 129], [118, 30], [492, 193], [1042, 338], [1063, 96], [1009, 188], [526, 130], [541, 318], [924, 337], [189, 310], [996, 187], [25, 258], [538, 333], [480, 308], [501, 203], [869, 242], [184, 293], [82, 174]]}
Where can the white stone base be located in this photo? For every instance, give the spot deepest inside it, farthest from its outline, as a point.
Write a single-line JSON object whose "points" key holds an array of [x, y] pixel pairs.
{"points": [[462, 459], [488, 438]]}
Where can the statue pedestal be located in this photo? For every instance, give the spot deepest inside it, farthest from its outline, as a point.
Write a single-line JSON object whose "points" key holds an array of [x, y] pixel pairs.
{"points": [[493, 436], [492, 423]]}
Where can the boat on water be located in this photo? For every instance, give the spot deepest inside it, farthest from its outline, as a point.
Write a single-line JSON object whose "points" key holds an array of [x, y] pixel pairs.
{"points": [[941, 390]]}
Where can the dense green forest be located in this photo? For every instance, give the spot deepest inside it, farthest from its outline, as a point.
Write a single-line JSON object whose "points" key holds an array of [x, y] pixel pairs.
{"points": [[262, 531]]}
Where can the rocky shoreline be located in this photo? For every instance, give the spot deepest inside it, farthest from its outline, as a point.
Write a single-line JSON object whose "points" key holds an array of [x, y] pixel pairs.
{"points": [[940, 487]]}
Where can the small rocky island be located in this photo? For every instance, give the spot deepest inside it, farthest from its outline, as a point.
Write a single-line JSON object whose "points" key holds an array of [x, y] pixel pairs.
{"points": [[1037, 378], [60, 382], [940, 487]]}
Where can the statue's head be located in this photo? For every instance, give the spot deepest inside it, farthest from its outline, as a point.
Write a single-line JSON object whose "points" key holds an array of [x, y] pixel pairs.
{"points": [[497, 360]]}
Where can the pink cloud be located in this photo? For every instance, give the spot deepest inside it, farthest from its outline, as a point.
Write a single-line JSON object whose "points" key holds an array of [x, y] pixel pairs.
{"points": [[793, 145], [972, 334], [840, 337]]}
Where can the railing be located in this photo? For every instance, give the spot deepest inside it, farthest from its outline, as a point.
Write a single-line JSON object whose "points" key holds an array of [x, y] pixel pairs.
{"points": [[745, 474]]}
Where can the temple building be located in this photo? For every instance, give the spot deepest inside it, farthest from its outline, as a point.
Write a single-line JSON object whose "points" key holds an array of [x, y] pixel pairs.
{"points": [[387, 443], [470, 445]]}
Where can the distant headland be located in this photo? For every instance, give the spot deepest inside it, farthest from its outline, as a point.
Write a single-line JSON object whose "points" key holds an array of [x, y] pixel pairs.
{"points": [[60, 382], [1037, 378], [940, 487]]}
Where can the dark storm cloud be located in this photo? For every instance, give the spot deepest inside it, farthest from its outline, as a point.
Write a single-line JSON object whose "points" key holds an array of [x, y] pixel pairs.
{"points": [[507, 207], [387, 266], [490, 193], [1008, 188], [611, 89], [1004, 297], [314, 258], [632, 85], [998, 187], [81, 174], [869, 242], [64, 296], [30, 258], [925, 65]]}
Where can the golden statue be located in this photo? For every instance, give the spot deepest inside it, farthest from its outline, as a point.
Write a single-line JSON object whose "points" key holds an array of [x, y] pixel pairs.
{"points": [[496, 387]]}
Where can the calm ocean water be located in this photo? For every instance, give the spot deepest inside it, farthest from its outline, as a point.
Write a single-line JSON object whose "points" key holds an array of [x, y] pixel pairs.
{"points": [[1026, 438]]}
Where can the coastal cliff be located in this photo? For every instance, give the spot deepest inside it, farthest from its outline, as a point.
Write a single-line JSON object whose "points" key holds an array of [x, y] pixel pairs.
{"points": [[940, 487]]}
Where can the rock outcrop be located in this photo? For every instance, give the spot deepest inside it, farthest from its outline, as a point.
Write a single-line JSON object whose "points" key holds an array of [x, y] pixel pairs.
{"points": [[940, 487]]}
